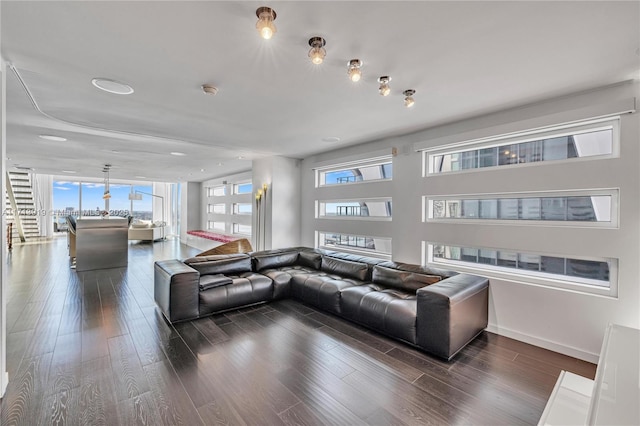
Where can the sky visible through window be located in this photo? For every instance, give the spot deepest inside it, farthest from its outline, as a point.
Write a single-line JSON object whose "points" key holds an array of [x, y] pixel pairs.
{"points": [[66, 197]]}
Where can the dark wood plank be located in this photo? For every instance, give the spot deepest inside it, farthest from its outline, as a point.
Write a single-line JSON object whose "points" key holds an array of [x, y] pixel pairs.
{"points": [[97, 400], [23, 398], [131, 380], [172, 402], [146, 342]]}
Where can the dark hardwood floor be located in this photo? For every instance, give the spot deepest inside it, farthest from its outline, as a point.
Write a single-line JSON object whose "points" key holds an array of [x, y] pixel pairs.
{"points": [[91, 348]]}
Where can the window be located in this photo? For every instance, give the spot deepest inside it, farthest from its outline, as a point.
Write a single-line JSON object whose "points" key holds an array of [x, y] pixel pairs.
{"points": [[241, 229], [216, 226], [360, 209], [375, 246], [569, 142], [143, 209], [66, 201], [243, 188], [216, 208], [363, 171], [91, 198], [242, 208], [595, 273], [217, 191], [584, 206]]}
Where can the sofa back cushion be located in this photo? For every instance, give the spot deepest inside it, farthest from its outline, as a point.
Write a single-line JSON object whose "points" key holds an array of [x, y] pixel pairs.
{"points": [[310, 259], [227, 264], [402, 280], [272, 261], [345, 268]]}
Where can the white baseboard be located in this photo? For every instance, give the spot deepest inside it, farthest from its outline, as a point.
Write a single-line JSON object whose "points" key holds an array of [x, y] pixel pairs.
{"points": [[546, 344]]}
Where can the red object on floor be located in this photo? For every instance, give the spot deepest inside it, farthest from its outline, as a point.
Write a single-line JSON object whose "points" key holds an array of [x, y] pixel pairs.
{"points": [[212, 236]]}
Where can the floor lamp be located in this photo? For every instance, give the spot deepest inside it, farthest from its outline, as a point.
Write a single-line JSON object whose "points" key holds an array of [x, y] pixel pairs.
{"points": [[137, 195]]}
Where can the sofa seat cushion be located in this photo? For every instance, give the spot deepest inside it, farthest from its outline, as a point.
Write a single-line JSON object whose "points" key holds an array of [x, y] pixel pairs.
{"points": [[321, 290], [388, 310], [282, 278], [247, 288], [212, 281]]}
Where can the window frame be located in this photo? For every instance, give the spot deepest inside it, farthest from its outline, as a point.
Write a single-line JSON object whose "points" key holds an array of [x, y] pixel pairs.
{"points": [[354, 250], [211, 226], [319, 203], [611, 122], [235, 225], [237, 185], [614, 193], [236, 211], [377, 161], [212, 189], [523, 276]]}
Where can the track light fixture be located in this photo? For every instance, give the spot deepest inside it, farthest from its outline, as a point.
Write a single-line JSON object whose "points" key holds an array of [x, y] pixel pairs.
{"points": [[385, 89], [354, 71], [317, 52], [408, 100], [265, 25]]}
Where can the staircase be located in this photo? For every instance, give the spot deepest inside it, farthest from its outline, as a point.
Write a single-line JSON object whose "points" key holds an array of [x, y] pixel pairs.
{"points": [[19, 198]]}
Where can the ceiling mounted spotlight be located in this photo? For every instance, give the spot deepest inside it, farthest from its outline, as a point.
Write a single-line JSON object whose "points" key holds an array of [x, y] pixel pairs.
{"points": [[354, 71], [209, 89], [408, 100], [317, 52], [265, 25], [385, 89]]}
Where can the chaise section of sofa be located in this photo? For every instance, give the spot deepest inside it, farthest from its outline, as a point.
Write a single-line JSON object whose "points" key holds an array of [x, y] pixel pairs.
{"points": [[436, 310]]}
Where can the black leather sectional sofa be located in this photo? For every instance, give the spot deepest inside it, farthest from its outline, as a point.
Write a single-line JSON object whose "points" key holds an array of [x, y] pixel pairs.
{"points": [[437, 311]]}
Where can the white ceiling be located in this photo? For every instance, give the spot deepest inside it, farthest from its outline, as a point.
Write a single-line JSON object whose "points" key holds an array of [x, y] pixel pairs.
{"points": [[462, 58]]}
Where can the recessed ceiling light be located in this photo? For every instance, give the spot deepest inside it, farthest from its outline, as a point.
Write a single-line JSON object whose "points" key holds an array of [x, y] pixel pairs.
{"points": [[220, 164], [112, 86], [178, 154], [69, 171], [331, 139], [240, 157], [202, 170], [141, 177], [53, 138]]}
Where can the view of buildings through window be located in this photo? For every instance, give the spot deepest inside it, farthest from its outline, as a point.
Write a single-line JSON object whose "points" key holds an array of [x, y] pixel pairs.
{"points": [[570, 208], [581, 271], [85, 199], [356, 174], [368, 170], [583, 142]]}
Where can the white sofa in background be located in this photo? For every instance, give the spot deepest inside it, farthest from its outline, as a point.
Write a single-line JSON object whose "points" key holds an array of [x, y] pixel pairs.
{"points": [[146, 231]]}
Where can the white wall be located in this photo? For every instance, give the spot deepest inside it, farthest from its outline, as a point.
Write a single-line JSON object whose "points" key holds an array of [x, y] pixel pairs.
{"points": [[561, 320], [282, 210], [190, 208]]}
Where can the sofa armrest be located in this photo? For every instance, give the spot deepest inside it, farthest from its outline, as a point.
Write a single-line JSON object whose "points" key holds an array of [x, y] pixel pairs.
{"points": [[176, 290], [451, 313]]}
